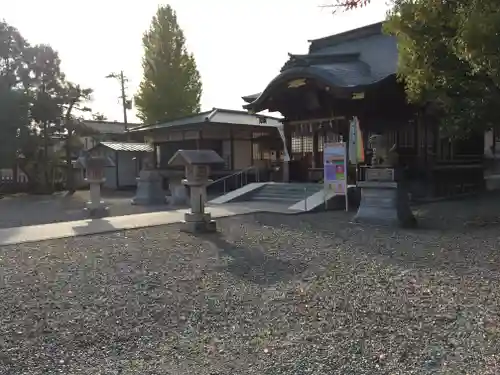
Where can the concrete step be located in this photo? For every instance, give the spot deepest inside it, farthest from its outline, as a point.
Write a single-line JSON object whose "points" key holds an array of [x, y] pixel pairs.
{"points": [[289, 193], [294, 186], [297, 194], [276, 199], [294, 190], [284, 194]]}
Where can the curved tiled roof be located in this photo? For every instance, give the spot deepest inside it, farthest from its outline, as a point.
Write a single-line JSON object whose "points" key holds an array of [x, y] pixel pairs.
{"points": [[350, 61]]}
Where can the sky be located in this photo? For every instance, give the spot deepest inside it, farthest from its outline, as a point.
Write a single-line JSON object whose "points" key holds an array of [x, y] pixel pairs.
{"points": [[239, 46]]}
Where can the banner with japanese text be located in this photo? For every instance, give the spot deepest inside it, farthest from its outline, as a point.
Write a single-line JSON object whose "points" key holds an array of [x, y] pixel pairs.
{"points": [[335, 167]]}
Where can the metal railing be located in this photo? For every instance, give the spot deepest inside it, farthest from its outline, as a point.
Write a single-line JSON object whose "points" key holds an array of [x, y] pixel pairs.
{"points": [[236, 180]]}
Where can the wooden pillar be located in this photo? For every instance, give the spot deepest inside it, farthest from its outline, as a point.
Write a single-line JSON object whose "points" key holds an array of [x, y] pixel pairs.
{"points": [[117, 174], [231, 147], [288, 141], [198, 139], [315, 161], [155, 156]]}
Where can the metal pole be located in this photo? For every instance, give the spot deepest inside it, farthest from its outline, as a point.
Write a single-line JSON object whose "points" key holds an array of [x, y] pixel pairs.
{"points": [[305, 199], [345, 181], [324, 198]]}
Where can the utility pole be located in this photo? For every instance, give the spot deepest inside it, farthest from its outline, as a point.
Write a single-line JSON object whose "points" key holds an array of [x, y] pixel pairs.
{"points": [[126, 103]]}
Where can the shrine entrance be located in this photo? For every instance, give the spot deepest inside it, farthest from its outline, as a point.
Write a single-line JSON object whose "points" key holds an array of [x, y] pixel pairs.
{"points": [[306, 140], [354, 74]]}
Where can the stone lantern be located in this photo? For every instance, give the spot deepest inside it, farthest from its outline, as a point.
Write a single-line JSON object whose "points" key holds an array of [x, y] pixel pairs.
{"points": [[197, 165], [94, 166], [149, 185], [384, 200]]}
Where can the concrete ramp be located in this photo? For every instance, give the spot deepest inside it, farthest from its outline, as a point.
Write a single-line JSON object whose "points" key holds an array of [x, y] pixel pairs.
{"points": [[317, 201], [295, 197], [240, 194]]}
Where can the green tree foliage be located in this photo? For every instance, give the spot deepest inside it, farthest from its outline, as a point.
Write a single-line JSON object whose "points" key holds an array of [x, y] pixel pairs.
{"points": [[449, 55], [14, 110], [14, 113], [449, 58], [38, 107], [171, 85], [72, 127]]}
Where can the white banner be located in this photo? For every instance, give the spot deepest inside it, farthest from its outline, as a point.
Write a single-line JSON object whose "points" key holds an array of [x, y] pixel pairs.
{"points": [[286, 155]]}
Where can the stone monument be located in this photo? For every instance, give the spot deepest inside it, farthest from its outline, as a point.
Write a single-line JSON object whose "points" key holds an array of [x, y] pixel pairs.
{"points": [[197, 165], [94, 166], [149, 186], [383, 199], [178, 190]]}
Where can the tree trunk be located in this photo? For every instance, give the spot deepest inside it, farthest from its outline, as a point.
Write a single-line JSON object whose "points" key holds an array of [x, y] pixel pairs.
{"points": [[70, 176], [46, 167]]}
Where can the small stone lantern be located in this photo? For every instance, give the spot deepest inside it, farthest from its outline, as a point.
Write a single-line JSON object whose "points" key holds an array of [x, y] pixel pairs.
{"points": [[94, 165], [197, 164]]}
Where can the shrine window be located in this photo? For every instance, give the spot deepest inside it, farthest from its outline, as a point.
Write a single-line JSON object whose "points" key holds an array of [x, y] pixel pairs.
{"points": [[307, 144], [321, 142], [406, 136], [296, 144]]}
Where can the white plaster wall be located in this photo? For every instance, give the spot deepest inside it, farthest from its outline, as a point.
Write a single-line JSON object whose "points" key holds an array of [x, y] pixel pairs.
{"points": [[242, 154], [226, 153], [488, 143], [109, 172], [110, 176], [127, 169]]}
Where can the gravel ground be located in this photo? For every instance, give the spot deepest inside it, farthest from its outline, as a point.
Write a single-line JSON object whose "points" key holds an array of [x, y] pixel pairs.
{"points": [[24, 210], [271, 294]]}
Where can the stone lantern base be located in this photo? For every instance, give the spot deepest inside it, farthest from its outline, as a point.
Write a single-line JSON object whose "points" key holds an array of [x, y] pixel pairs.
{"points": [[149, 189], [199, 223], [97, 212], [384, 203], [96, 207]]}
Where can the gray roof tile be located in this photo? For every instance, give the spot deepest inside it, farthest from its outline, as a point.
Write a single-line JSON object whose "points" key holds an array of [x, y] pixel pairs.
{"points": [[195, 157], [130, 147]]}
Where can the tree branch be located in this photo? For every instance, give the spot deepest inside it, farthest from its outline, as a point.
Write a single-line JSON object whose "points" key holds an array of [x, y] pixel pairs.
{"points": [[345, 5]]}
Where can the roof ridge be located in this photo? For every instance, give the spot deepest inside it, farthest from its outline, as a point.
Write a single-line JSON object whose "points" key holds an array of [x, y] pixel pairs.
{"points": [[180, 117], [245, 113], [356, 33], [122, 142], [319, 58]]}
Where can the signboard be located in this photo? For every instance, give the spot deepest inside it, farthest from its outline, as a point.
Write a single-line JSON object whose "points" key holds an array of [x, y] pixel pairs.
{"points": [[335, 168]]}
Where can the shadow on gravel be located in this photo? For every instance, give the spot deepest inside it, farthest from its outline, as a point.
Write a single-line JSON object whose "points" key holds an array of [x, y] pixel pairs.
{"points": [[460, 215], [458, 236], [94, 226], [253, 264]]}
